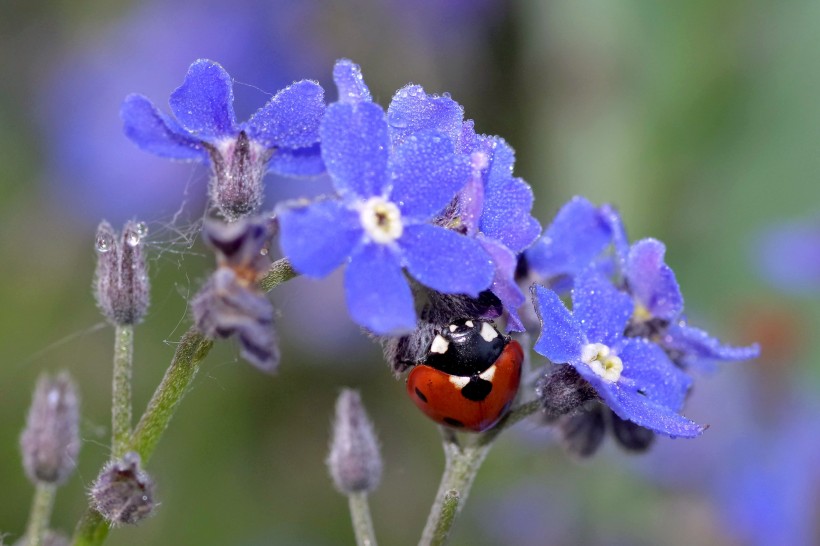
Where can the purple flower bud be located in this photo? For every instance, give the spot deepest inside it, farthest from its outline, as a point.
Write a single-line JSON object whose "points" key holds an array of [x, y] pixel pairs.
{"points": [[121, 280], [51, 440], [123, 493], [238, 168], [354, 462], [230, 303], [226, 306], [630, 436], [583, 432]]}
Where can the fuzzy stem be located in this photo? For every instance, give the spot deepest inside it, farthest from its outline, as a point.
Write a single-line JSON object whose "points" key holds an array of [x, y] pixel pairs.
{"points": [[461, 466], [40, 514], [362, 521], [92, 528], [121, 389]]}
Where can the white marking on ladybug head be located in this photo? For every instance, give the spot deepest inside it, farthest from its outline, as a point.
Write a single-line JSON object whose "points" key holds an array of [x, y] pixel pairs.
{"points": [[488, 374], [453, 327], [488, 332], [468, 324], [459, 381], [440, 345]]}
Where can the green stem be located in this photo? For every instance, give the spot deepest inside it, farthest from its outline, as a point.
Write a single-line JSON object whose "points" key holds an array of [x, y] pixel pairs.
{"points": [[92, 528], [121, 389], [362, 522], [40, 513], [461, 466]]}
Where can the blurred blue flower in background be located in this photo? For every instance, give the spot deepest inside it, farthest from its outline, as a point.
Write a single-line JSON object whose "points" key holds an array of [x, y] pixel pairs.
{"points": [[788, 255]]}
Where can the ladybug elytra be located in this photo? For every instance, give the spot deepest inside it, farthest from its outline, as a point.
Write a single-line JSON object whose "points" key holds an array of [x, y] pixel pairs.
{"points": [[470, 376]]}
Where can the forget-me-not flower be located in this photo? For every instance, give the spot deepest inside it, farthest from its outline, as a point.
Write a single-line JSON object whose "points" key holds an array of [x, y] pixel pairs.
{"points": [[381, 222], [633, 376], [282, 136], [494, 206]]}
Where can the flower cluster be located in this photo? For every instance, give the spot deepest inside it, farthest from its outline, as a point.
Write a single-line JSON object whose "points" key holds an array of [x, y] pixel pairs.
{"points": [[626, 336], [426, 214]]}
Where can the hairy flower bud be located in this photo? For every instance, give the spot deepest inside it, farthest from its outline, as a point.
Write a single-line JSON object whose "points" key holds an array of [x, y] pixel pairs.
{"points": [[121, 280], [354, 462], [50, 442], [230, 303], [563, 391], [123, 493]]}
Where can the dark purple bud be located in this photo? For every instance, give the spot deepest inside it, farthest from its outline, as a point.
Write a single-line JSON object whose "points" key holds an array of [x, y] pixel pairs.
{"points": [[227, 307], [123, 492], [239, 165], [50, 442], [444, 309], [630, 436], [354, 462], [404, 352], [582, 432], [121, 280], [563, 391], [243, 245]]}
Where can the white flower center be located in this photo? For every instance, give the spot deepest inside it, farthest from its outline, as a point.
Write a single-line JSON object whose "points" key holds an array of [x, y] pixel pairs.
{"points": [[600, 358], [381, 220]]}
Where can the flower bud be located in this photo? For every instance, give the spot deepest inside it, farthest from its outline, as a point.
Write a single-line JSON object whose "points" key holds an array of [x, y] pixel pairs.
{"points": [[630, 436], [354, 462], [123, 492], [50, 442], [582, 432], [121, 280]]}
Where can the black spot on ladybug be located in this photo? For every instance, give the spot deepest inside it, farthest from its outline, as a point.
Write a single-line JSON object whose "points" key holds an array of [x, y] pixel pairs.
{"points": [[421, 396], [453, 422], [477, 389]]}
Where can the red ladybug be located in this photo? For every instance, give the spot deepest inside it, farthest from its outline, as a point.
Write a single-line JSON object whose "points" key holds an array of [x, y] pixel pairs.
{"points": [[470, 376]]}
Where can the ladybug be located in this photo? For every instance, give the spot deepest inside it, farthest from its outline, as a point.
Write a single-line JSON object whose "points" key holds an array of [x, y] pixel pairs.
{"points": [[470, 376]]}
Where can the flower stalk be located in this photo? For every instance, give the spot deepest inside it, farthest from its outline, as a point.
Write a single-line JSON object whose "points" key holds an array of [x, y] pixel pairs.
{"points": [[362, 521], [40, 513], [121, 389]]}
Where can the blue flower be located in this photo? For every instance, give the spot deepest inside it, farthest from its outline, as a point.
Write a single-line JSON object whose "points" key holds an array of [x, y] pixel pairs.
{"points": [[576, 238], [282, 136], [633, 376], [494, 207], [659, 308], [381, 222]]}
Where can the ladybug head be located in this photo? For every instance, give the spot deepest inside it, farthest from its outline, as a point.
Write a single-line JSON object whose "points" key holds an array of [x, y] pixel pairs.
{"points": [[465, 347]]}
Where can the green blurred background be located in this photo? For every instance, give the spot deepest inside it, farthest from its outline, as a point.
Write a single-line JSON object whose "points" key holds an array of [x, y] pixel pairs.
{"points": [[700, 120]]}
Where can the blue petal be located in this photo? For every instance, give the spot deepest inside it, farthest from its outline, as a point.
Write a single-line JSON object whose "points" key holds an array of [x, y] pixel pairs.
{"points": [[697, 344], [445, 261], [648, 369], [298, 162], [620, 240], [651, 281], [578, 235], [426, 175], [602, 310], [157, 133], [349, 81], [355, 146], [378, 295], [412, 110], [561, 338], [506, 218], [504, 286], [318, 237], [203, 104], [639, 409], [291, 118]]}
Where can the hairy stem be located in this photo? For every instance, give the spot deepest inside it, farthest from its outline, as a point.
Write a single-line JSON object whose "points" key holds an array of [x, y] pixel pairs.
{"points": [[121, 389], [40, 513], [461, 466], [92, 528], [362, 521]]}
